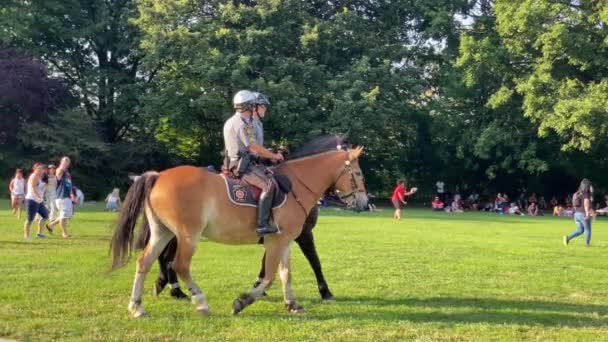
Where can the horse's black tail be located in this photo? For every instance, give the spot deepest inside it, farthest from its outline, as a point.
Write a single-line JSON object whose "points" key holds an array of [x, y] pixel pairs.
{"points": [[121, 244]]}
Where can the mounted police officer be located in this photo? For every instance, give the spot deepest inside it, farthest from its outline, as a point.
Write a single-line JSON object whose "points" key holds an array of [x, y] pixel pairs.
{"points": [[244, 143]]}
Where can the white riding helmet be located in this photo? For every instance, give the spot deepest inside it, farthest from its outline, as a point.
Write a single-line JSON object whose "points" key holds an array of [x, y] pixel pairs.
{"points": [[244, 99]]}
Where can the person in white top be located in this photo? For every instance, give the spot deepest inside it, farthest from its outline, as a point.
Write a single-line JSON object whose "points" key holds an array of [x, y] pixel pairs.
{"points": [[113, 200], [34, 201], [51, 192], [440, 185], [17, 189]]}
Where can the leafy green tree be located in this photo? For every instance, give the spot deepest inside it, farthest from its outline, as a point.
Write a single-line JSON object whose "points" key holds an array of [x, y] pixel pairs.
{"points": [[328, 66], [92, 45], [554, 59]]}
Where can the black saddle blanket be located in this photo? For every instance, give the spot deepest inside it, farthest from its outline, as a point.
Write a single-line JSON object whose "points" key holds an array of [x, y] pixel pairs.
{"points": [[242, 193]]}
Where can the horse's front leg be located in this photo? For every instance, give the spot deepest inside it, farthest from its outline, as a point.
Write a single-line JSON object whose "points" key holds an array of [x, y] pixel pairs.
{"points": [[261, 274], [306, 242], [285, 274], [275, 248]]}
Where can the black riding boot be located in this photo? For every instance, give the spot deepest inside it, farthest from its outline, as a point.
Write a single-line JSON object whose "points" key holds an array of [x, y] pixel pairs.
{"points": [[264, 207]]}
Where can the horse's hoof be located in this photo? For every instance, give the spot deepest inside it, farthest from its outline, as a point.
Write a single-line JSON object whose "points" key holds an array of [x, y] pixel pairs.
{"points": [[329, 299], [159, 286], [294, 308], [237, 306], [137, 311], [241, 303], [203, 311], [178, 294]]}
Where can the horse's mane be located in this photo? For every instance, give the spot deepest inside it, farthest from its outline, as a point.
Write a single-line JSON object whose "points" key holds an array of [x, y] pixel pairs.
{"points": [[318, 145]]}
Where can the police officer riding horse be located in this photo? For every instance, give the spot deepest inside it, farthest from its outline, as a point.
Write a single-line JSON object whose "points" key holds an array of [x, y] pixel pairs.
{"points": [[245, 152]]}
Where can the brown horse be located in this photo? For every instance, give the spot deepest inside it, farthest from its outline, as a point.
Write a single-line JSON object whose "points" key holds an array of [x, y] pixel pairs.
{"points": [[187, 202]]}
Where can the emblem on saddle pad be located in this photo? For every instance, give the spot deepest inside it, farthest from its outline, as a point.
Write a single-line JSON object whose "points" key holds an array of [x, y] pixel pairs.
{"points": [[240, 194]]}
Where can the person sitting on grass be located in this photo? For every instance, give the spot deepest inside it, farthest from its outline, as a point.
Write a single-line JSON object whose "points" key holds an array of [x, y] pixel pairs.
{"points": [[553, 202], [457, 206], [568, 211], [514, 209], [533, 209], [558, 210], [113, 200], [604, 210], [437, 204]]}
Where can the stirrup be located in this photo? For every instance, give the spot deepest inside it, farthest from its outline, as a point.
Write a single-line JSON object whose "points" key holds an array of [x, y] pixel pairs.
{"points": [[267, 230]]}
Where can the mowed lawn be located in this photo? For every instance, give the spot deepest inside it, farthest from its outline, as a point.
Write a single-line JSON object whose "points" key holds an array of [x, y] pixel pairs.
{"points": [[431, 276]]}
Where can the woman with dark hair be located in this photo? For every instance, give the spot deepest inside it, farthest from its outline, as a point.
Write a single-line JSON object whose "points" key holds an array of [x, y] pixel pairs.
{"points": [[583, 212], [398, 198]]}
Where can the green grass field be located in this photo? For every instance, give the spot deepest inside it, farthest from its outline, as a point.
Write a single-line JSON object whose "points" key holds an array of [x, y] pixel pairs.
{"points": [[431, 276]]}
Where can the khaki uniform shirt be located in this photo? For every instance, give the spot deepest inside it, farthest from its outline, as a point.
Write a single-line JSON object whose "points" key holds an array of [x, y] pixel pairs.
{"points": [[239, 134]]}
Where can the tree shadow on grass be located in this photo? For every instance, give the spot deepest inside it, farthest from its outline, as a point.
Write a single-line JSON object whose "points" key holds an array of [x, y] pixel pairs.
{"points": [[476, 310]]}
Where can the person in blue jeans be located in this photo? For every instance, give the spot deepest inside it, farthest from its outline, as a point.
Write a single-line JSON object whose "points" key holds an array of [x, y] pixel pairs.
{"points": [[583, 212], [34, 201]]}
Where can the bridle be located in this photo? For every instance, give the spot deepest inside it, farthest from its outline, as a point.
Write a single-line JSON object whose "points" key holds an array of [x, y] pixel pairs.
{"points": [[353, 182], [354, 187]]}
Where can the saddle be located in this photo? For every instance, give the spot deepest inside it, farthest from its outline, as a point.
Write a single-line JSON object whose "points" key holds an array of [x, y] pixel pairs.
{"points": [[244, 194]]}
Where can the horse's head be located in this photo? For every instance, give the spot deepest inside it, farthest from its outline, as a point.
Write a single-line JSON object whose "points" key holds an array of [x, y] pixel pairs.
{"points": [[350, 182]]}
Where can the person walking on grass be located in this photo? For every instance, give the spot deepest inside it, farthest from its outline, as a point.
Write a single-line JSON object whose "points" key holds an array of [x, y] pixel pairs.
{"points": [[65, 191], [34, 201], [398, 197], [51, 193], [583, 212], [17, 190]]}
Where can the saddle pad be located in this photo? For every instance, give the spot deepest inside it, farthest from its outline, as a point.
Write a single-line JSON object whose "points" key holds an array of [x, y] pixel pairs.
{"points": [[242, 193]]}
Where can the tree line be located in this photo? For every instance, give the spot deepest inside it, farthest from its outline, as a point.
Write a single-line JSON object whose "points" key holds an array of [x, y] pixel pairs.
{"points": [[501, 95]]}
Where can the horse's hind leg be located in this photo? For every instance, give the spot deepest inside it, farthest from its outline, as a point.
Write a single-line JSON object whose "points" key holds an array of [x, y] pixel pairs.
{"points": [[159, 236], [185, 250], [167, 274]]}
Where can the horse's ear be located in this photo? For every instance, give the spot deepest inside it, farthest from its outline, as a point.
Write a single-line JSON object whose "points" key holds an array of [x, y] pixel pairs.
{"points": [[354, 154]]}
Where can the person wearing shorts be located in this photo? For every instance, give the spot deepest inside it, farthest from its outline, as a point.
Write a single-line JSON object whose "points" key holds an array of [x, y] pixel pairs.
{"points": [[398, 198], [17, 190], [64, 193], [34, 201]]}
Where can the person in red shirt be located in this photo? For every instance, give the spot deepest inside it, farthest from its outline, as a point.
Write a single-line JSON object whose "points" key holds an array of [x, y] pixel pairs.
{"points": [[398, 198], [437, 204]]}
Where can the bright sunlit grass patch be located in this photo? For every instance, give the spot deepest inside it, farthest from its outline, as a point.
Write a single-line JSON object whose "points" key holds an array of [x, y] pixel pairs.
{"points": [[473, 276]]}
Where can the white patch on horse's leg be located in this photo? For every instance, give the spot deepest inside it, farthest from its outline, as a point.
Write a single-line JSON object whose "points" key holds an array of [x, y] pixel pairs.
{"points": [[285, 274], [198, 297], [135, 307], [159, 237], [200, 303]]}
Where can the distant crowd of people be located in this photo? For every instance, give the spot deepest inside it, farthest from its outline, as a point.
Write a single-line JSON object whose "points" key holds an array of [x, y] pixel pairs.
{"points": [[532, 204]]}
